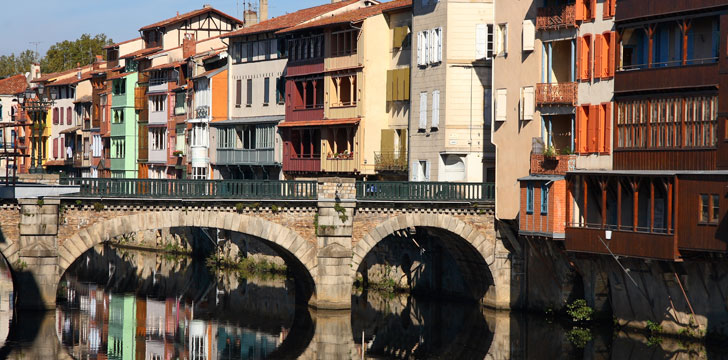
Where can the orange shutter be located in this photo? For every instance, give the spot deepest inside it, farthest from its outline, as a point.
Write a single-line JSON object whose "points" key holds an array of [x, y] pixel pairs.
{"points": [[608, 128], [579, 7], [591, 126], [581, 121], [597, 56], [612, 54], [593, 10], [612, 7], [606, 8], [601, 111], [588, 54]]}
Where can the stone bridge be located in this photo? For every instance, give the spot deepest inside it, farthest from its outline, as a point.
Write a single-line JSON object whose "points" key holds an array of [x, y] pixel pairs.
{"points": [[323, 240]]}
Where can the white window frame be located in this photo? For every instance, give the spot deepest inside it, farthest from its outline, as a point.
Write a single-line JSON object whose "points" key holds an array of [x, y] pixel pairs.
{"points": [[435, 109], [501, 103], [502, 45], [423, 111], [528, 105]]}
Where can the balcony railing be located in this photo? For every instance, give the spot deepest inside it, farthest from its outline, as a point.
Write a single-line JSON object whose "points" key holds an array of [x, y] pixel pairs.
{"points": [[556, 17], [243, 156], [196, 189], [390, 160], [202, 112], [557, 165], [557, 94], [424, 191]]}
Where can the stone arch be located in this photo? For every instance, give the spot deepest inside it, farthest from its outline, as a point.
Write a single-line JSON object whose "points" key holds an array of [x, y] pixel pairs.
{"points": [[474, 242], [296, 250]]}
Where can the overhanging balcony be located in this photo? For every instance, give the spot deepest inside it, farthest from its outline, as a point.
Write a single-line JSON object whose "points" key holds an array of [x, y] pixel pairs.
{"points": [[556, 17], [245, 157], [390, 161], [565, 93]]}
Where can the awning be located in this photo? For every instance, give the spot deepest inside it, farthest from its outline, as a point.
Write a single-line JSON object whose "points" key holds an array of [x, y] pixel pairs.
{"points": [[249, 120], [542, 177], [71, 130], [327, 122]]}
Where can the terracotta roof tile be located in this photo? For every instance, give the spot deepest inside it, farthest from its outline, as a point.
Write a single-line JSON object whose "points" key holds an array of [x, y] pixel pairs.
{"points": [[351, 16], [167, 65], [13, 85], [288, 20], [121, 43], [188, 15], [142, 52]]}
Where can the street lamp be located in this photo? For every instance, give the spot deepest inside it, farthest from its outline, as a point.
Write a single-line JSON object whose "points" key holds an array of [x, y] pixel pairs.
{"points": [[36, 107]]}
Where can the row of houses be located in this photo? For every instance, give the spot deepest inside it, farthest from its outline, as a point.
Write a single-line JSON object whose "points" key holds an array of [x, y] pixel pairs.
{"points": [[600, 114], [323, 90]]}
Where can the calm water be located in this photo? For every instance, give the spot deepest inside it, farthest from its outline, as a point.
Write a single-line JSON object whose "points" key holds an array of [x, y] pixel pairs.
{"points": [[128, 304]]}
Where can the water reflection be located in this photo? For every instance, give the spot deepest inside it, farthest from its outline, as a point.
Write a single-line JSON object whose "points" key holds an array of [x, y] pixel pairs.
{"points": [[124, 304]]}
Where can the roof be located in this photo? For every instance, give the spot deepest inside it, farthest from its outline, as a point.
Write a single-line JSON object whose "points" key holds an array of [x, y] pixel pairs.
{"points": [[121, 43], [50, 76], [352, 16], [189, 15], [71, 130], [647, 172], [288, 20], [248, 120], [13, 85], [326, 122], [142, 52], [542, 177], [167, 65], [210, 73]]}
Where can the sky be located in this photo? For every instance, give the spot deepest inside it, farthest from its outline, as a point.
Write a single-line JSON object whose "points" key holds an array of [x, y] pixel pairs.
{"points": [[120, 20]]}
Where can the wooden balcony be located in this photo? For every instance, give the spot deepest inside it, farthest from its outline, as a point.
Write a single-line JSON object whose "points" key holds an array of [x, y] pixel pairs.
{"points": [[299, 164], [245, 157], [390, 161], [634, 9], [652, 245], [557, 94], [556, 17], [343, 62], [665, 159], [667, 78], [557, 165], [140, 98], [341, 163]]}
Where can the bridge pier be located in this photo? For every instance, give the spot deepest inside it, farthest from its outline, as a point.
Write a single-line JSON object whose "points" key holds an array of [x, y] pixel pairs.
{"points": [[35, 263], [334, 226]]}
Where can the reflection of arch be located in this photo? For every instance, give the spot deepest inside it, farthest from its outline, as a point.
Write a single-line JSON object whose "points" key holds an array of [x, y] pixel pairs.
{"points": [[299, 254], [472, 255]]}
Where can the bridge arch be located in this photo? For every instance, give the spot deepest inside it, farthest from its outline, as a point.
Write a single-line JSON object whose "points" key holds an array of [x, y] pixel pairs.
{"points": [[299, 253], [473, 251]]}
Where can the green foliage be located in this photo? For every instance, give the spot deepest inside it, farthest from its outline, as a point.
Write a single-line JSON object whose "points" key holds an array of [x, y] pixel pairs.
{"points": [[579, 311], [315, 222], [239, 207], [566, 151], [550, 152], [275, 209], [79, 202], [66, 54], [98, 206], [246, 267], [342, 212], [654, 341], [11, 65], [579, 336], [39, 202], [20, 265], [654, 327]]}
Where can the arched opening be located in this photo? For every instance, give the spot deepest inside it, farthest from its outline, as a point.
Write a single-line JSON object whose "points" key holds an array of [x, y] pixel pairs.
{"points": [[173, 299]]}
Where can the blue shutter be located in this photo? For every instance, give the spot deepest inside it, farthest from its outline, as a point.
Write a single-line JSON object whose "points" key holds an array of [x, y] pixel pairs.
{"points": [[544, 199], [529, 198]]}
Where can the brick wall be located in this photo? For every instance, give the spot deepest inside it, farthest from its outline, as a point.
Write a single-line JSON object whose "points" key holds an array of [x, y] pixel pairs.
{"points": [[552, 166]]}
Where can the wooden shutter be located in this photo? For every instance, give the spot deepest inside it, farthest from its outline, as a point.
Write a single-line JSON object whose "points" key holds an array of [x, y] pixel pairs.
{"points": [[423, 110], [238, 92], [387, 141], [581, 128], [612, 7], [529, 35], [406, 72], [527, 103], [438, 31], [592, 128], [249, 94], [266, 90], [419, 48], [55, 148], [390, 78], [593, 10], [612, 60], [403, 140], [435, 109], [600, 128], [69, 116], [608, 128], [580, 10], [598, 56], [401, 73], [481, 36], [500, 104], [581, 58]]}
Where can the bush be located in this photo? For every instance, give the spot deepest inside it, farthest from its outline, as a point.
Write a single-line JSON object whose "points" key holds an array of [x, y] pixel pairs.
{"points": [[579, 311], [579, 336], [98, 206], [654, 327]]}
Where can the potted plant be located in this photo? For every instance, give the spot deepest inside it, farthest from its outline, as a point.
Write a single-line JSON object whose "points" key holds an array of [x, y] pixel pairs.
{"points": [[178, 153], [550, 152]]}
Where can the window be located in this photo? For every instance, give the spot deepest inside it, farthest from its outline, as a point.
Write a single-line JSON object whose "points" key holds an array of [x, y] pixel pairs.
{"points": [[158, 138], [344, 43], [158, 103], [709, 208], [704, 208], [398, 84], [399, 37], [421, 170], [249, 99], [584, 58], [238, 92], [118, 117], [119, 86], [593, 128], [435, 109], [609, 8], [429, 47], [483, 41], [69, 116], [529, 198], [199, 136], [280, 90], [55, 116], [502, 45], [715, 208], [60, 112], [423, 110], [544, 199], [344, 90], [266, 91], [96, 146], [118, 148], [199, 173], [529, 35], [501, 96]]}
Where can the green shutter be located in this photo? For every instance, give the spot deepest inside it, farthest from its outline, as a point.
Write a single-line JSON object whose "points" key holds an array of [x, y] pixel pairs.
{"points": [[387, 145], [406, 72], [389, 85]]}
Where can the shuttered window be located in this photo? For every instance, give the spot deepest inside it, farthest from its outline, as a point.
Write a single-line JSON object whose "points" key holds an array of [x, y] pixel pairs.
{"points": [[419, 48], [438, 44], [500, 104], [55, 116], [60, 112], [529, 35], [529, 198], [266, 91], [435, 109], [611, 52], [598, 58], [544, 199], [527, 103], [481, 38], [423, 111], [592, 125], [238, 92], [69, 116], [55, 148], [581, 128], [249, 98], [607, 148], [584, 61]]}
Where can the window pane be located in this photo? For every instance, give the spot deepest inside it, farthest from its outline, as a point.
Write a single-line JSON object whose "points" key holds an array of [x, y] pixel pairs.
{"points": [[716, 208], [703, 208]]}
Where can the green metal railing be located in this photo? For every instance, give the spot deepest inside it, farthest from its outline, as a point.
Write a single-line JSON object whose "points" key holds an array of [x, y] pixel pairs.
{"points": [[195, 189], [278, 189], [424, 191]]}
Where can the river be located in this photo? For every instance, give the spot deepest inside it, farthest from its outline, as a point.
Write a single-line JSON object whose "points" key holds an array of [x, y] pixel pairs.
{"points": [[131, 304]]}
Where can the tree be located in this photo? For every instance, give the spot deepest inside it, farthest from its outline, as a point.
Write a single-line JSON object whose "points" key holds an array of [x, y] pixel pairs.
{"points": [[11, 65], [66, 54]]}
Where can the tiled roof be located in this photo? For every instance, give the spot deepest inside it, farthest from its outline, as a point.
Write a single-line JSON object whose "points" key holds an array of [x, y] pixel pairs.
{"points": [[13, 85], [352, 16], [121, 43], [166, 66], [325, 122], [142, 52], [51, 76], [288, 20], [188, 15]]}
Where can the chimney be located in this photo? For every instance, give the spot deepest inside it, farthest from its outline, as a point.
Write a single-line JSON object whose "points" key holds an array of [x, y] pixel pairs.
{"points": [[34, 71], [263, 7], [189, 46], [250, 17], [206, 6]]}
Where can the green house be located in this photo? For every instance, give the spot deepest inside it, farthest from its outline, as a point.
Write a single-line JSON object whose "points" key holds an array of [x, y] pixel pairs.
{"points": [[124, 120]]}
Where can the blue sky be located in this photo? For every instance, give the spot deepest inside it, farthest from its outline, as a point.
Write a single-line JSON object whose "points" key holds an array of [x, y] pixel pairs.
{"points": [[120, 19]]}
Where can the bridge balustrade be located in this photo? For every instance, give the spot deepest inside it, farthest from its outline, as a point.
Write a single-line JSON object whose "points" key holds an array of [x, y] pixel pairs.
{"points": [[280, 189]]}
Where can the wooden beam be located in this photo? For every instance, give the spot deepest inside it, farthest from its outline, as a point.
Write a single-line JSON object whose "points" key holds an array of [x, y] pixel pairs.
{"points": [[619, 203], [652, 205], [603, 185], [650, 30], [669, 206], [635, 203], [586, 195]]}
